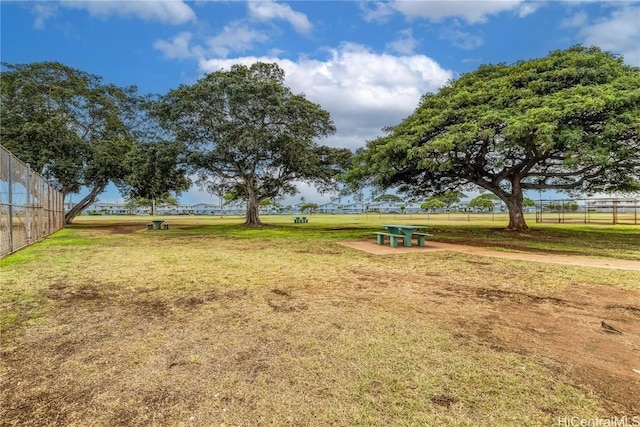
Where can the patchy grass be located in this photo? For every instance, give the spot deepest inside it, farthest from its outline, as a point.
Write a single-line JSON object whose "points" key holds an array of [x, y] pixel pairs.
{"points": [[210, 323]]}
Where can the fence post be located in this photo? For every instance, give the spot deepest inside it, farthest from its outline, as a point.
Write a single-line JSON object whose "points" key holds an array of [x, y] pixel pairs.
{"points": [[10, 202], [29, 207]]}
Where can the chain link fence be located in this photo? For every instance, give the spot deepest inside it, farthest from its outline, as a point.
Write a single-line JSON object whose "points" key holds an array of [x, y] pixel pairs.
{"points": [[30, 208], [589, 211]]}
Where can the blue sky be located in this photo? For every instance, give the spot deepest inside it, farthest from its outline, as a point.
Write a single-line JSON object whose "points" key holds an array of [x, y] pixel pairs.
{"points": [[366, 62]]}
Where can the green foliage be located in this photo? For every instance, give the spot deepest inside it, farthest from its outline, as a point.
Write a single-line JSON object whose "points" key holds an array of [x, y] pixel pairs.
{"points": [[451, 197], [433, 203], [154, 172], [247, 132], [562, 207], [133, 203], [388, 198], [265, 202], [68, 125], [488, 196], [309, 207], [229, 198], [566, 122], [481, 203], [444, 200], [570, 206]]}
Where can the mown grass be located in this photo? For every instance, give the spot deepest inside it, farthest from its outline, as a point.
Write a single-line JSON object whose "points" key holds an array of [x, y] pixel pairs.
{"points": [[211, 323], [602, 240]]}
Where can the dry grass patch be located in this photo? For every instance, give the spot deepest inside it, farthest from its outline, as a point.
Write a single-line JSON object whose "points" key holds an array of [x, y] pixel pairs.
{"points": [[167, 329]]}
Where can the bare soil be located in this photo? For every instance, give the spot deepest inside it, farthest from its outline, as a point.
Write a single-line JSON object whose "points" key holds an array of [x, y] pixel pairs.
{"points": [[565, 330]]}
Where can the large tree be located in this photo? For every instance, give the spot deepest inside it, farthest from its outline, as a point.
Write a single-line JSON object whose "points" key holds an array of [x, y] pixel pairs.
{"points": [[68, 125], [567, 122], [156, 171], [250, 135]]}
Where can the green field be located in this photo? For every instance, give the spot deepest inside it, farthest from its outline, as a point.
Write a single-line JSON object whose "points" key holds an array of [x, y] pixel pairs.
{"points": [[210, 323]]}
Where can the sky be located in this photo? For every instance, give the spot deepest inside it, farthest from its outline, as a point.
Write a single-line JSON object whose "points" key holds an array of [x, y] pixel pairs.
{"points": [[366, 62]]}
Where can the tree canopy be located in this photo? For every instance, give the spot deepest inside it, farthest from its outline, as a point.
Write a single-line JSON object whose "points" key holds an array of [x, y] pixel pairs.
{"points": [[309, 207], [568, 122], [388, 198], [433, 203], [482, 202], [248, 133], [68, 125], [155, 172], [80, 132]]}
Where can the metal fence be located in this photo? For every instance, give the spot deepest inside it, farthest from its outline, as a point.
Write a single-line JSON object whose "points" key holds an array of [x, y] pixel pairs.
{"points": [[30, 208], [589, 211]]}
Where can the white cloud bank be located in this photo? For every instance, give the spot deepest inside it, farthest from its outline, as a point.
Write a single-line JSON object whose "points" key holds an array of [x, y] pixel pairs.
{"points": [[268, 10], [173, 12], [436, 10], [364, 91], [619, 32]]}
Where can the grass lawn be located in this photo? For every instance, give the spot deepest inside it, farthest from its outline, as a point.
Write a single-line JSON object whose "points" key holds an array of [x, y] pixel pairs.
{"points": [[210, 323]]}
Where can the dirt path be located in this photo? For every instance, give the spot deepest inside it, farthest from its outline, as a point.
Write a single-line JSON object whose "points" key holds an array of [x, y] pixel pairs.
{"points": [[373, 248]]}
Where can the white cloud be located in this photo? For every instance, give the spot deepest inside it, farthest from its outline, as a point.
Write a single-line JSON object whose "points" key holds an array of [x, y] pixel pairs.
{"points": [[364, 91], [470, 11], [405, 43], [177, 48], [169, 11], [619, 33], [235, 37], [461, 39], [376, 11], [42, 12], [576, 21], [529, 7], [269, 10]]}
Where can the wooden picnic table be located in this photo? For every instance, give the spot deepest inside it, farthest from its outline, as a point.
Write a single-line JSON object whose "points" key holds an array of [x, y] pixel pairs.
{"points": [[404, 232]]}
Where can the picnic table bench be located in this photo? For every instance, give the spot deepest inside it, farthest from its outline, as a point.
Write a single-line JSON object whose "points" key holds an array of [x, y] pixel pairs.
{"points": [[404, 232], [422, 237], [393, 238], [157, 224], [301, 220]]}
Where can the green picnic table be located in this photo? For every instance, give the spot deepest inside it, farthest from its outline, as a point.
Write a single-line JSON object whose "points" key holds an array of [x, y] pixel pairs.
{"points": [[157, 224], [405, 232]]}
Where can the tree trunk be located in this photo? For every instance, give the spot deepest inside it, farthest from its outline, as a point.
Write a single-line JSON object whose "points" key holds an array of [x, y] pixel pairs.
{"points": [[86, 201], [516, 212], [253, 213]]}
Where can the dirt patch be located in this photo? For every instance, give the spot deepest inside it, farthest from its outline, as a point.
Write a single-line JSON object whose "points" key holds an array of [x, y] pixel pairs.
{"points": [[443, 400], [564, 332], [373, 248], [124, 229]]}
